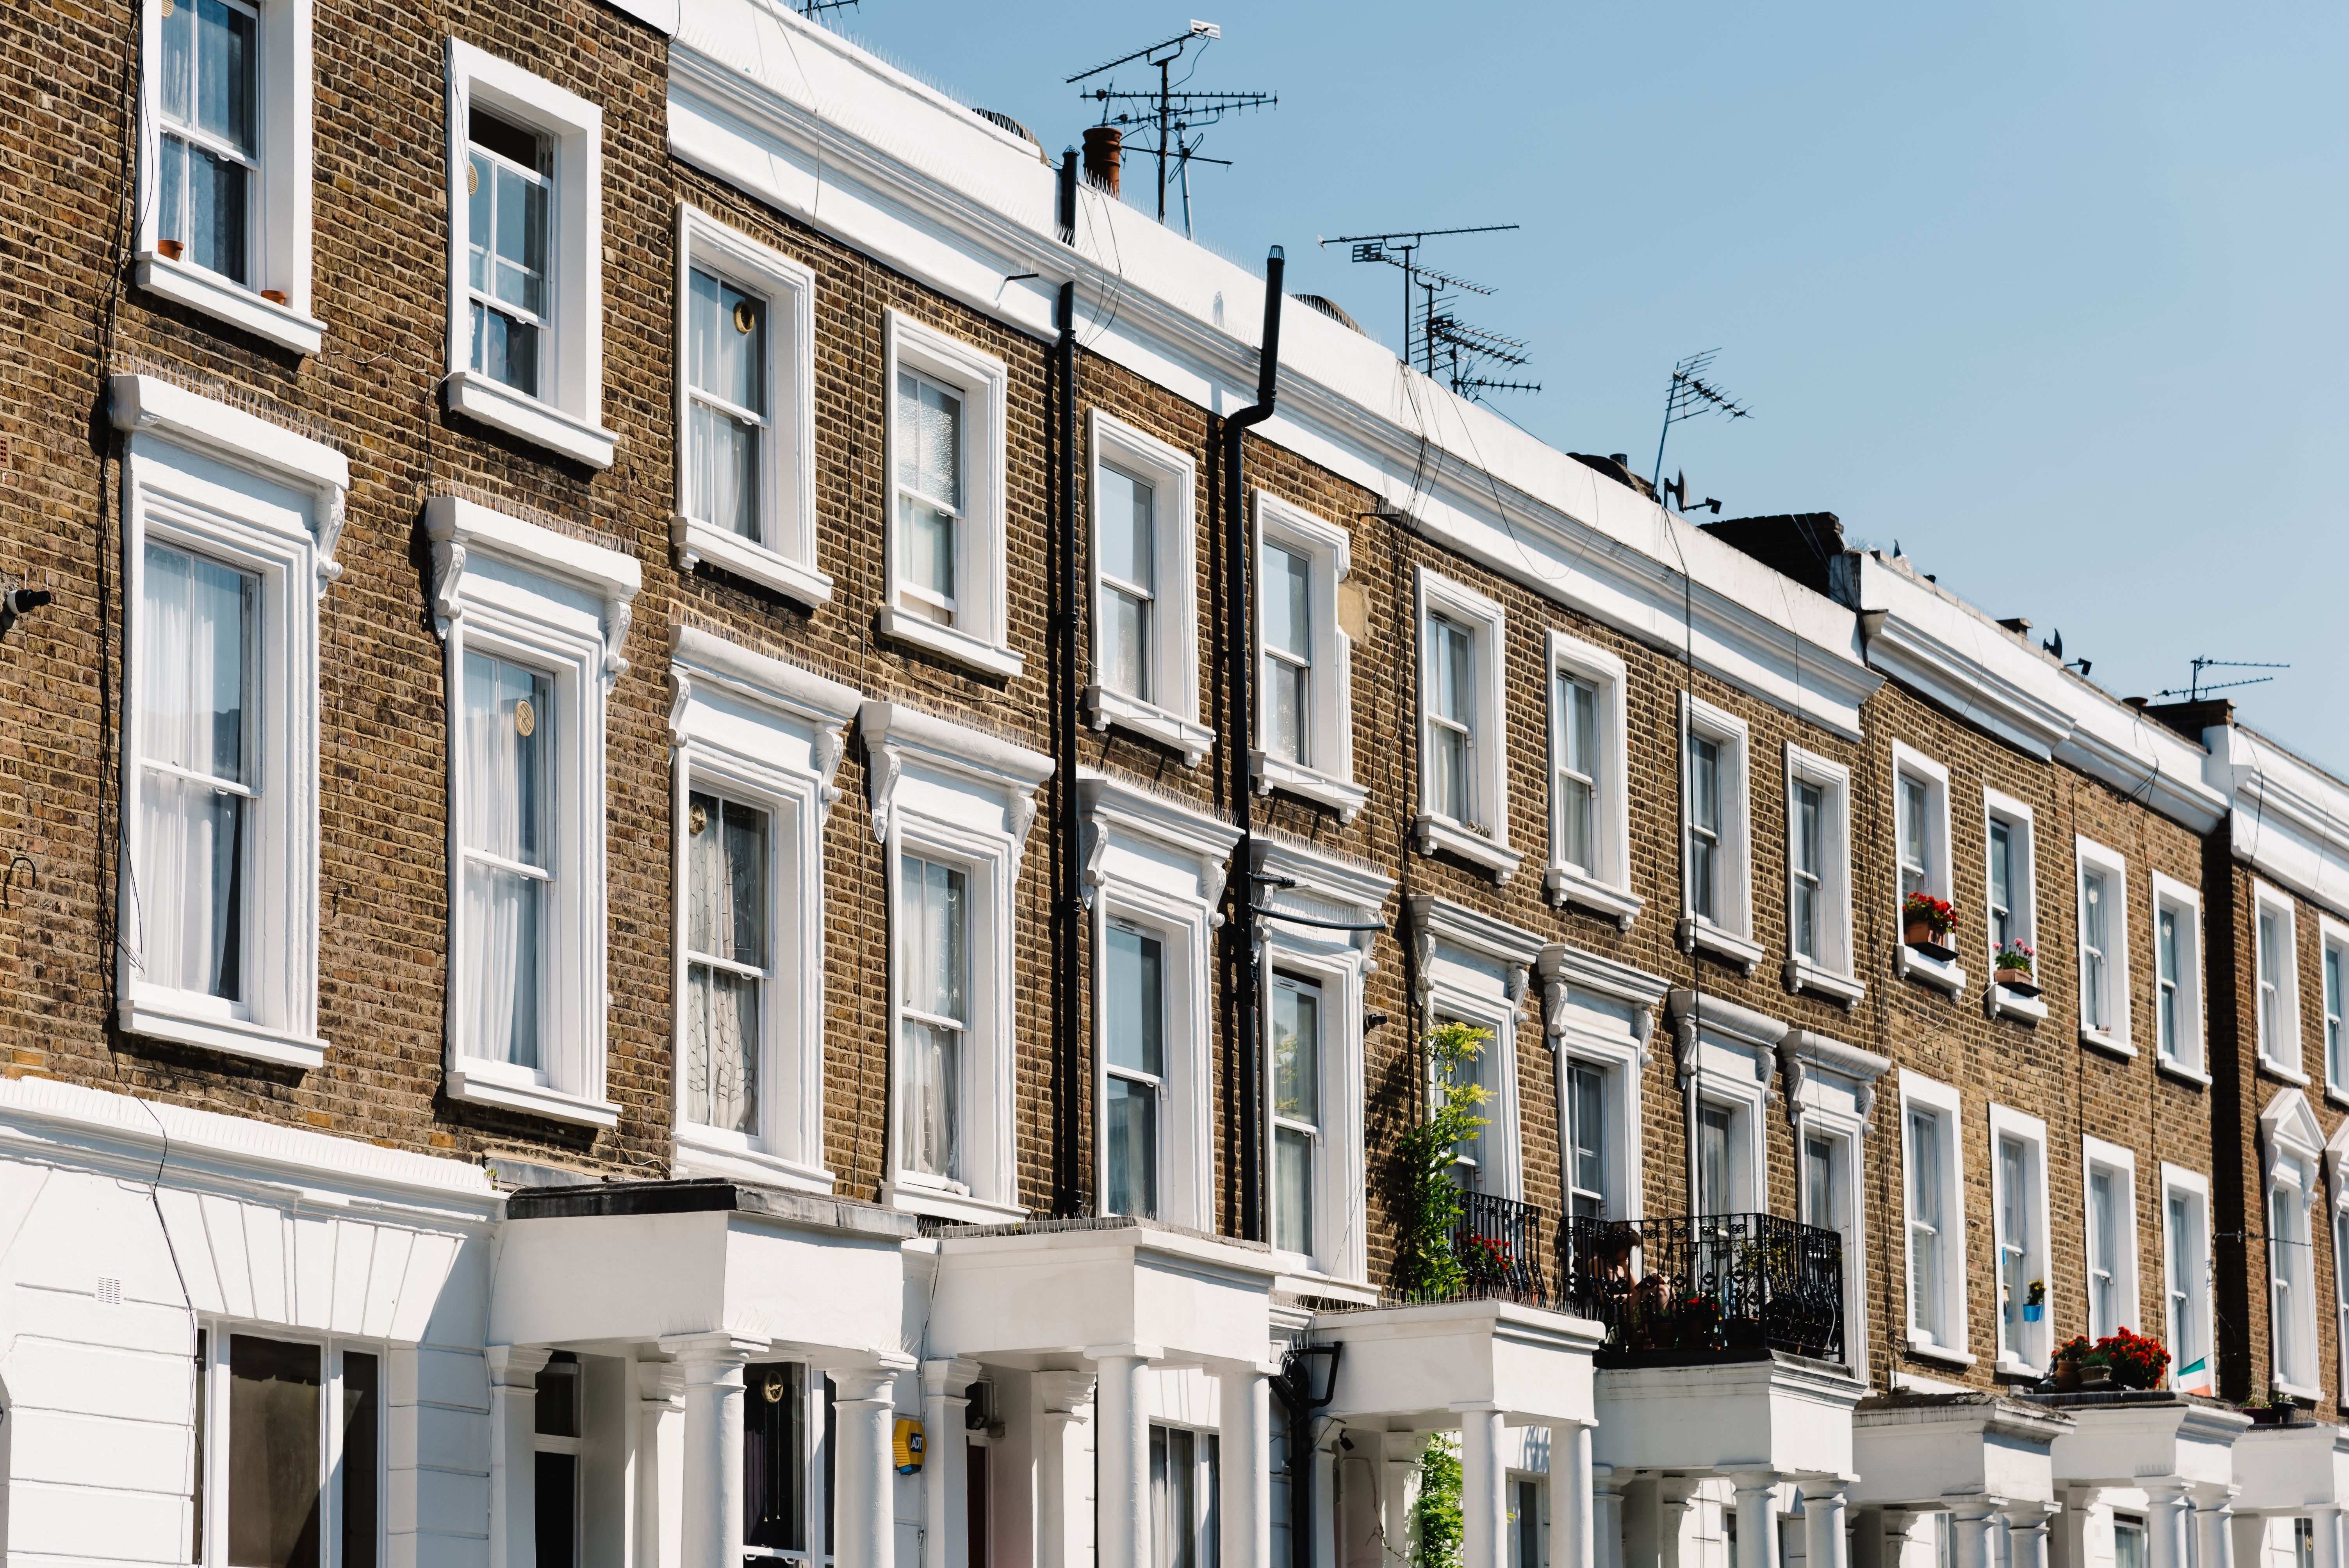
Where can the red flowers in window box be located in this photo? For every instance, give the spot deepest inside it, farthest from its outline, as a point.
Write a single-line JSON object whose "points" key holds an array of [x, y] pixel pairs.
{"points": [[1933, 913]]}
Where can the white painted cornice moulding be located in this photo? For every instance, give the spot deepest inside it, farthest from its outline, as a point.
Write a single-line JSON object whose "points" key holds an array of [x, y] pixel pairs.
{"points": [[798, 117], [2290, 820], [699, 658], [1105, 804], [895, 735], [458, 527], [246, 440], [45, 1121]]}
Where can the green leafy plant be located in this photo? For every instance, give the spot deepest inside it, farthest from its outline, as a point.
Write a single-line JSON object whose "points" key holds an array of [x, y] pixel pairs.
{"points": [[1438, 1527], [1429, 1210]]}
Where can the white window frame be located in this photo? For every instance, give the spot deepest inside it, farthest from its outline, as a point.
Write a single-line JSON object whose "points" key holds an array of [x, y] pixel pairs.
{"points": [[2283, 1057], [1831, 1093], [1330, 890], [1908, 763], [2292, 1155], [1477, 969], [2022, 912], [1329, 779], [1171, 717], [218, 1446], [2027, 1349], [567, 418], [1485, 841], [519, 590], [783, 556], [768, 734], [2179, 1182], [2192, 1060], [1597, 1012], [1604, 888], [1163, 866], [980, 638], [1942, 1102], [2337, 1204], [1731, 936], [281, 240], [2115, 1036], [1728, 1080], [940, 789], [2333, 937], [2120, 1164], [1833, 974], [201, 476]]}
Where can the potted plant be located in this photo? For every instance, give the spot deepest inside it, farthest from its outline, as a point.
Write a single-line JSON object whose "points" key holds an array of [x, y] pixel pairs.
{"points": [[2034, 1305], [2137, 1362], [2084, 1367], [1925, 921], [2067, 1363], [2017, 967]]}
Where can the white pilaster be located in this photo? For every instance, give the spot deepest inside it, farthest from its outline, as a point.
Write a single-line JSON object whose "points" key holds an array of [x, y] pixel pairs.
{"points": [[1825, 1543], [1244, 1432], [2164, 1522], [711, 1511], [1969, 1517], [1573, 1529], [1757, 1519], [1064, 1471], [513, 1453], [1484, 1489], [2026, 1534], [1122, 1451], [946, 1466], [1606, 1517], [2214, 1535], [865, 1406], [1676, 1498], [2324, 1520], [660, 1465]]}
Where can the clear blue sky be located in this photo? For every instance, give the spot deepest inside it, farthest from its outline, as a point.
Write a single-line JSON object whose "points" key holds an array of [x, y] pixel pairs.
{"points": [[2051, 293]]}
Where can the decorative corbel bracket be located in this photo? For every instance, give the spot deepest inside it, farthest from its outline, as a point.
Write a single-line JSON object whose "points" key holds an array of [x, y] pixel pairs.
{"points": [[1018, 816], [1092, 846], [828, 750], [883, 768], [1214, 870], [333, 513], [1791, 1067], [680, 690]]}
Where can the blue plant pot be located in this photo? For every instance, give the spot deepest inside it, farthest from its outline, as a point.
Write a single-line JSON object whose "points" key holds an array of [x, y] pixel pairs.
{"points": [[2032, 1314]]}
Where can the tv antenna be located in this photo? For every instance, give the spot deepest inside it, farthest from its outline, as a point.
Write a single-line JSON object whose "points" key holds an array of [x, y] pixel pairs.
{"points": [[811, 9], [1692, 395], [2194, 688], [1382, 247], [1448, 334], [1171, 113]]}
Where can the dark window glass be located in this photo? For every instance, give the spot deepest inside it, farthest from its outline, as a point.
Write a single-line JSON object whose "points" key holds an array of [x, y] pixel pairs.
{"points": [[558, 1397], [558, 1511], [831, 1458], [362, 1458], [203, 1398], [273, 1453], [507, 139], [977, 1489], [774, 1455]]}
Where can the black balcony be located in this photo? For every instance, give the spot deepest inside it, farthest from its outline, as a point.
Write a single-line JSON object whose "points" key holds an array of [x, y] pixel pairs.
{"points": [[1498, 1242], [1711, 1287]]}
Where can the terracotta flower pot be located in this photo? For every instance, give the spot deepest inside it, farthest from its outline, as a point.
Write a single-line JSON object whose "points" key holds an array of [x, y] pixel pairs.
{"points": [[2068, 1375], [1920, 933]]}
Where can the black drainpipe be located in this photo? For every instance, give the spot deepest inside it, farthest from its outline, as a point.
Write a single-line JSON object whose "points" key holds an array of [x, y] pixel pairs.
{"points": [[1069, 1096], [1241, 647]]}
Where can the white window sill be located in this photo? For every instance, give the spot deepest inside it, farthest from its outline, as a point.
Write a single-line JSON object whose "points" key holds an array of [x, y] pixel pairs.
{"points": [[704, 1151], [1941, 974], [2006, 1004], [944, 641], [1434, 833], [2296, 1390], [699, 541], [1340, 795], [909, 1198], [2335, 1095], [478, 1082], [2112, 1045], [1299, 1277], [233, 303], [1105, 707], [1801, 974], [156, 1019], [477, 397], [1726, 945], [2276, 1070], [2182, 1072], [1911, 1383], [2013, 1366], [1926, 1350], [1566, 886]]}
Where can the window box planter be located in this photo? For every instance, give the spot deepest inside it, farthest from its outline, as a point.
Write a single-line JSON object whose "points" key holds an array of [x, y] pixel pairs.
{"points": [[2017, 981], [1931, 943], [2272, 1415]]}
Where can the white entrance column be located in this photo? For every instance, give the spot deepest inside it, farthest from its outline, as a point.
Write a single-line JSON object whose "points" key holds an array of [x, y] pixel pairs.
{"points": [[2165, 1522], [865, 1406], [1969, 1517], [2214, 1518], [1606, 1518], [660, 1463], [513, 1453], [1676, 1501], [1825, 1543], [1573, 1529], [1121, 1452], [1063, 1472], [1483, 1489], [1244, 1441], [2325, 1523], [2026, 1534], [1757, 1519], [946, 1463], [711, 1509]]}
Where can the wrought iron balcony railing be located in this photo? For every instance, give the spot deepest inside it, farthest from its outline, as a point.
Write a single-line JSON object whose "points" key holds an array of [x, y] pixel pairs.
{"points": [[1498, 1242], [1705, 1286]]}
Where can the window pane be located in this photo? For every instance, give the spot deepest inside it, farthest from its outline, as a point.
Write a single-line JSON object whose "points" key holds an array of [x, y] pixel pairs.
{"points": [[1715, 1191], [1809, 802], [1912, 823], [2093, 908], [721, 1066], [217, 198], [1296, 1053], [557, 1511], [1582, 728], [1587, 1100], [728, 341], [1818, 1183], [933, 1078], [2002, 872], [509, 723], [1134, 1007], [1127, 537], [724, 471], [273, 1453], [1705, 794], [178, 61], [1130, 1177], [1286, 605], [1286, 728], [1292, 1191], [1456, 677], [929, 440], [224, 62], [362, 1459], [1574, 823], [1125, 643], [502, 935], [1449, 760], [505, 350], [774, 1455]]}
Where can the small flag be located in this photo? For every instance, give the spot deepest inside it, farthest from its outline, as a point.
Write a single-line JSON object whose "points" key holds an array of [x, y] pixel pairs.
{"points": [[2194, 1378]]}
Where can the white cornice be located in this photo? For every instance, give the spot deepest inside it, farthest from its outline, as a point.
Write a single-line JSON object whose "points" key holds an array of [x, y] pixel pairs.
{"points": [[1105, 804], [2288, 819], [1472, 932], [895, 735], [767, 681], [457, 528]]}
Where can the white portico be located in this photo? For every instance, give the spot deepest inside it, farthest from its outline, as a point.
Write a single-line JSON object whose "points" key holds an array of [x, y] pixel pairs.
{"points": [[2286, 1473], [1981, 1460]]}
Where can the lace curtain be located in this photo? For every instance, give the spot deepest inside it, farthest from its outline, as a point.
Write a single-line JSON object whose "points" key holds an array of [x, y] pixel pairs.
{"points": [[726, 929], [508, 724]]}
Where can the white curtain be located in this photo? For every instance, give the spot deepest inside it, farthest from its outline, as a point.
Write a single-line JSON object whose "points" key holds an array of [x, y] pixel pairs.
{"points": [[499, 816], [192, 674], [725, 855]]}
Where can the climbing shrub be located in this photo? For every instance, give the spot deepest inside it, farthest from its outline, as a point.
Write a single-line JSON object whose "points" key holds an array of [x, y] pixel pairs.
{"points": [[1429, 1205], [1436, 1524]]}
